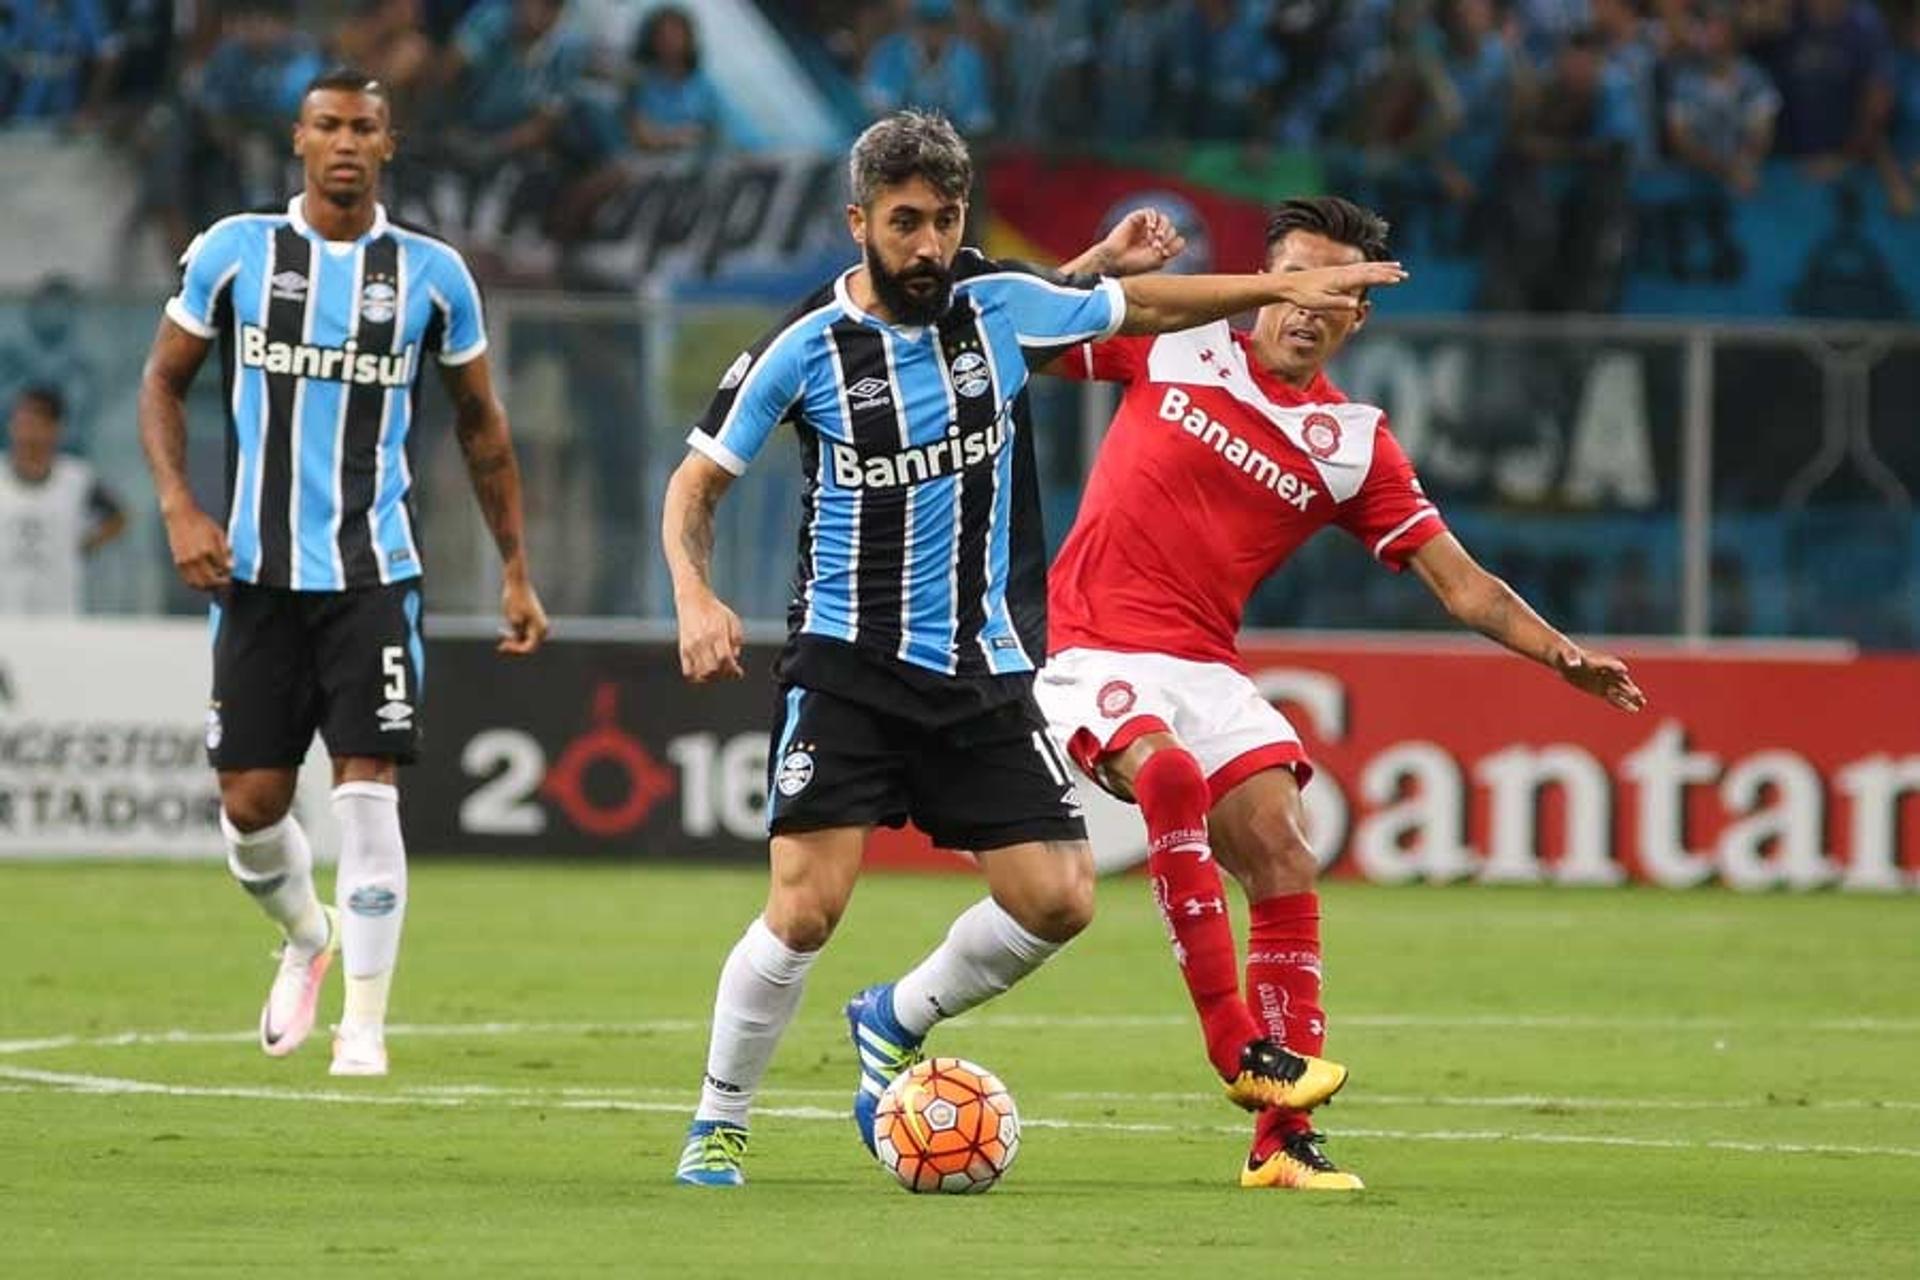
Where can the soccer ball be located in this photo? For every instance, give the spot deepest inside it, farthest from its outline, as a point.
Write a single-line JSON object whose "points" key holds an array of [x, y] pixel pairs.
{"points": [[946, 1125]]}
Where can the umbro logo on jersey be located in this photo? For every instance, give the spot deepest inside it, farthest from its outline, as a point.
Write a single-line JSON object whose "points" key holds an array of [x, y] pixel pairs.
{"points": [[330, 364], [870, 393], [290, 286], [1177, 406]]}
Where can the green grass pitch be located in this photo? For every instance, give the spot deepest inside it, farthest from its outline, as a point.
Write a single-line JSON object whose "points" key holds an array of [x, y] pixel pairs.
{"points": [[1545, 1082]]}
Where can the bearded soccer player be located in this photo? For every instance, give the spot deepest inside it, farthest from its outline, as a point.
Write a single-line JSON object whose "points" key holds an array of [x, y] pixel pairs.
{"points": [[1228, 452], [905, 686], [326, 312]]}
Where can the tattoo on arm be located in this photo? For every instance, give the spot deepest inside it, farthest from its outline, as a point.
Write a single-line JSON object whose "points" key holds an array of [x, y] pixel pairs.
{"points": [[696, 535]]}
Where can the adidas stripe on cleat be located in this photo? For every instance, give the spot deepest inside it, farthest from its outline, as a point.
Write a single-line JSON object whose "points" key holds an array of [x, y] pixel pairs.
{"points": [[1273, 1077], [884, 1048], [1298, 1164], [712, 1155]]}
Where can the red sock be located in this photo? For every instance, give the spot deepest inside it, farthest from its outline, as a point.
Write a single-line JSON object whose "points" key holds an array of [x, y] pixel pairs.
{"points": [[1283, 988], [1173, 796]]}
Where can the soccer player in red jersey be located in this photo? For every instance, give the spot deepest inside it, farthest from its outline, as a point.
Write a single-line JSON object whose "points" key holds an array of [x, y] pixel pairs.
{"points": [[1228, 452]]}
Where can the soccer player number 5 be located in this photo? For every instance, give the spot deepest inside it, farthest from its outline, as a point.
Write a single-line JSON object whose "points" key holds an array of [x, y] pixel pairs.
{"points": [[393, 664]]}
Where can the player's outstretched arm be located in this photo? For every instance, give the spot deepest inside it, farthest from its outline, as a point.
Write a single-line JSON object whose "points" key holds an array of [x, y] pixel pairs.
{"points": [[710, 633], [480, 422], [197, 542], [1145, 240], [1494, 609], [1169, 303]]}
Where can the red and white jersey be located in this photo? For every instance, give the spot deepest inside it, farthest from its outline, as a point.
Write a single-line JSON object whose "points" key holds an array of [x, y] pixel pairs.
{"points": [[1212, 474]]}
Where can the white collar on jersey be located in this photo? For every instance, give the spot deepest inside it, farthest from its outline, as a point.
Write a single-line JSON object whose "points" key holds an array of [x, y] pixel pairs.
{"points": [[296, 214]]}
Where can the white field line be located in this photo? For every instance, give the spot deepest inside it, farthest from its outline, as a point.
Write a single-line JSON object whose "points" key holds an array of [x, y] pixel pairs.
{"points": [[1091, 1022], [81, 1083]]}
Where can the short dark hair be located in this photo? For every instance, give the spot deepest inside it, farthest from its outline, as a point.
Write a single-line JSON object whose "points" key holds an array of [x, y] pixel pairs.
{"points": [[47, 397], [910, 144], [1339, 220], [650, 31], [351, 79]]}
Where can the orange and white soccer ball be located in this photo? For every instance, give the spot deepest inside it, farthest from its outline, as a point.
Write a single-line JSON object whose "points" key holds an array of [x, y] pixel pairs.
{"points": [[946, 1124]]}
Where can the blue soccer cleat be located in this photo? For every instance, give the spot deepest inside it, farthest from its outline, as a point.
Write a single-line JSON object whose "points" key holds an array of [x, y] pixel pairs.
{"points": [[885, 1049], [712, 1155]]}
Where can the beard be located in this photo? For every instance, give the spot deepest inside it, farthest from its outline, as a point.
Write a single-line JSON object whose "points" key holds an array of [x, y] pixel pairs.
{"points": [[909, 306]]}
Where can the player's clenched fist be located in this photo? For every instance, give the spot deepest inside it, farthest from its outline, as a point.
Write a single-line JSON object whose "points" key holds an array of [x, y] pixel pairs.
{"points": [[200, 550], [710, 639]]}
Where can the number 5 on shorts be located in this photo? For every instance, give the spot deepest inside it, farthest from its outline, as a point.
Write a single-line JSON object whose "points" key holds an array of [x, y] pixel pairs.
{"points": [[393, 664]]}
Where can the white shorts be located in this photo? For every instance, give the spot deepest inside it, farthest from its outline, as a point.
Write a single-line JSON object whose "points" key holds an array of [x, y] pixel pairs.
{"points": [[1098, 702]]}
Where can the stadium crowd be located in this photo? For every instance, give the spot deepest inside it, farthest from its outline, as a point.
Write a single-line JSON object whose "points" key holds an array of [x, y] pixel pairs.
{"points": [[1530, 119]]}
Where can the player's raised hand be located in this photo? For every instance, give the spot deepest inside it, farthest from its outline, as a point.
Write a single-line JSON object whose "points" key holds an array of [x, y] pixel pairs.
{"points": [[1145, 240], [710, 640], [1335, 288], [525, 618], [200, 549], [1600, 674]]}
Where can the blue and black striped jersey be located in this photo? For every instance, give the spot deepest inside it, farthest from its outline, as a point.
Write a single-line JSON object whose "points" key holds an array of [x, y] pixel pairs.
{"points": [[321, 347], [907, 448]]}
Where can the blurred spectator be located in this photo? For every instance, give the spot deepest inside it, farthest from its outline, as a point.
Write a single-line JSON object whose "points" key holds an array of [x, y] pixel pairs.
{"points": [[144, 70], [1545, 26], [1046, 68], [1403, 102], [1898, 154], [249, 91], [384, 38], [1224, 70], [51, 353], [1563, 244], [260, 68], [928, 64], [673, 106], [514, 68], [1630, 53], [1827, 58], [57, 59], [1721, 115], [1480, 68], [53, 512], [851, 29], [1317, 42], [1130, 70]]}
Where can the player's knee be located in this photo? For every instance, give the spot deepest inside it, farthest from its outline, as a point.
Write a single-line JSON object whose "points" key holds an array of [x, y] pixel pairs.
{"points": [[1062, 908], [803, 919], [1172, 776], [252, 809]]}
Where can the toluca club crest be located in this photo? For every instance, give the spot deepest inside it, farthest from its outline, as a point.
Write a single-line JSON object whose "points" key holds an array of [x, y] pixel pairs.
{"points": [[1116, 699], [1322, 432]]}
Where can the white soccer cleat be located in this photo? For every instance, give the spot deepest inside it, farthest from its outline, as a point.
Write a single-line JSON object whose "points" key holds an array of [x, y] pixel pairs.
{"points": [[359, 1052], [287, 1017]]}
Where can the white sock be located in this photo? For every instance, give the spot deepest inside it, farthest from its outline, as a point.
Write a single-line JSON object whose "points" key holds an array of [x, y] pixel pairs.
{"points": [[275, 865], [760, 987], [985, 952], [372, 895]]}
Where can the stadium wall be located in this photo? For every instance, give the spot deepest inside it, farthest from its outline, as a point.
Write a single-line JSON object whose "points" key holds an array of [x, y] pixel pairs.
{"points": [[1758, 769]]}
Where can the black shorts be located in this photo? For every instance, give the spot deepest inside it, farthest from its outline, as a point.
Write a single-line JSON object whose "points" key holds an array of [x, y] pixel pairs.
{"points": [[984, 783], [285, 663]]}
